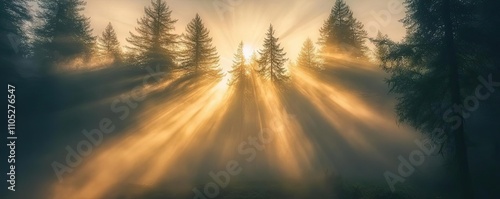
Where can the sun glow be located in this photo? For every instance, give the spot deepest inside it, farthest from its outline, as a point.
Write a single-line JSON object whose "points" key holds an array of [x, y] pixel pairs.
{"points": [[186, 129], [248, 51]]}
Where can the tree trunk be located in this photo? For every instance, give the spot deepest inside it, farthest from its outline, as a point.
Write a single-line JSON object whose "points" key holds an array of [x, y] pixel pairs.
{"points": [[460, 144]]}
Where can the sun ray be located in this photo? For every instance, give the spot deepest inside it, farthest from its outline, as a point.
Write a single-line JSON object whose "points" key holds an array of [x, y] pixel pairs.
{"points": [[348, 113], [150, 151], [291, 154]]}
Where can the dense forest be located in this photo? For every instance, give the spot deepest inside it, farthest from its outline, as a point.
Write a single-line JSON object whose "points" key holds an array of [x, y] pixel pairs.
{"points": [[449, 49]]}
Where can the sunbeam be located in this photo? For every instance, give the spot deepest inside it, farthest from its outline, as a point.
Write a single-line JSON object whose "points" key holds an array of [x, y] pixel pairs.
{"points": [[291, 153], [347, 111], [147, 154], [250, 99]]}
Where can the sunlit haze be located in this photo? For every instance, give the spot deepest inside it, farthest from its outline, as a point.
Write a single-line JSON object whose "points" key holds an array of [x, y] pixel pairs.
{"points": [[248, 20], [248, 51], [250, 101]]}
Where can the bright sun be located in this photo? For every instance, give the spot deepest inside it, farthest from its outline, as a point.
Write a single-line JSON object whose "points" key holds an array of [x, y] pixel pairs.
{"points": [[248, 52]]}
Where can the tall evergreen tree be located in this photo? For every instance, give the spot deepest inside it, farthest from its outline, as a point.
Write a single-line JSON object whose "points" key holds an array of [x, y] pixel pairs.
{"points": [[272, 58], [382, 47], [154, 42], [342, 33], [308, 57], [64, 34], [431, 69], [13, 16], [108, 44], [13, 42], [254, 62], [239, 65], [198, 54]]}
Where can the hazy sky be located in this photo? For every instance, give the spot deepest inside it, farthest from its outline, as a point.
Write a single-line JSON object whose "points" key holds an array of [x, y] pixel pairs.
{"points": [[232, 21]]}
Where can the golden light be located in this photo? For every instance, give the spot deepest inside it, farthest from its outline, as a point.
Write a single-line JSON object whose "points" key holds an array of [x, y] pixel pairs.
{"points": [[171, 131], [350, 113], [185, 133], [248, 51], [292, 154]]}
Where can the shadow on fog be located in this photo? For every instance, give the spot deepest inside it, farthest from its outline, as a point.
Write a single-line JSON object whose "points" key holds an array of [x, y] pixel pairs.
{"points": [[185, 142], [60, 106]]}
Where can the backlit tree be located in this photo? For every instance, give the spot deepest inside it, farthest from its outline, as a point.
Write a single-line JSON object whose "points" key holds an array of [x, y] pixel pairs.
{"points": [[272, 58], [198, 54], [108, 44], [154, 43]]}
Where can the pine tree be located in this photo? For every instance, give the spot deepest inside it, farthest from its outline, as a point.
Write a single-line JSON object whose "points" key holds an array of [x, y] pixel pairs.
{"points": [[427, 71], [382, 47], [198, 54], [272, 58], [307, 57], [342, 33], [64, 34], [13, 40], [108, 44], [254, 62], [239, 67], [154, 44], [14, 15]]}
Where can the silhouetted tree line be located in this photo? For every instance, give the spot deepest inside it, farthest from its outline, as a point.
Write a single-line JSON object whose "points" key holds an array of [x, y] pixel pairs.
{"points": [[449, 43], [62, 33]]}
